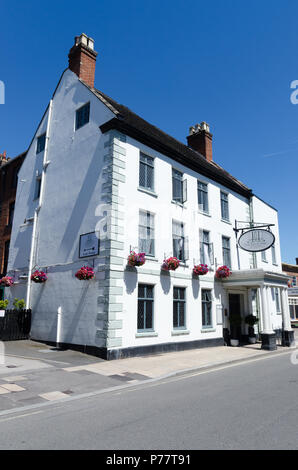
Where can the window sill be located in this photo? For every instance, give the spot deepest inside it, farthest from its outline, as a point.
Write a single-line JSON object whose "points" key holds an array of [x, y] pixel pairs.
{"points": [[177, 203], [147, 191], [226, 221], [264, 261], [208, 330], [151, 258], [183, 265], [180, 332], [146, 334], [204, 213]]}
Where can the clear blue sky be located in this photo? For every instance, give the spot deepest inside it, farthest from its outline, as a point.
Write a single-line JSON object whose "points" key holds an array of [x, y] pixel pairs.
{"points": [[175, 63]]}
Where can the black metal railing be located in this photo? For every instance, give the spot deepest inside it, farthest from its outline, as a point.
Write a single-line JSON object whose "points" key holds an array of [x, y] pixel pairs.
{"points": [[15, 325]]}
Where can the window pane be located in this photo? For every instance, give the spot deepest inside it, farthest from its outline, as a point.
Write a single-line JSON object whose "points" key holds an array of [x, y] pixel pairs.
{"points": [[149, 308], [41, 142], [146, 175], [203, 196], [177, 177], [82, 115]]}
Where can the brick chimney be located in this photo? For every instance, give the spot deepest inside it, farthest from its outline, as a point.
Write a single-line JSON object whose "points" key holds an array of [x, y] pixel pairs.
{"points": [[82, 59], [200, 139]]}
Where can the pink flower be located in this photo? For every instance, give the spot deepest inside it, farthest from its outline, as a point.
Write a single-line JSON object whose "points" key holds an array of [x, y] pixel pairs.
{"points": [[85, 273], [170, 264], [200, 270]]}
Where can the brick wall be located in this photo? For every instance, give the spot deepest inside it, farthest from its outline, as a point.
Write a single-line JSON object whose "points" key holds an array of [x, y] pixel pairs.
{"points": [[8, 184]]}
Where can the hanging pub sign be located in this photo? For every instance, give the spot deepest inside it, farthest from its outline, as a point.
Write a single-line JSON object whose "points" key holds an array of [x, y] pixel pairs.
{"points": [[256, 240], [89, 245]]}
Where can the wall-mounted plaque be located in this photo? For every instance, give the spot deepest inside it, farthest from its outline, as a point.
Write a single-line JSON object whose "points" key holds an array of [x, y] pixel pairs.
{"points": [[89, 245]]}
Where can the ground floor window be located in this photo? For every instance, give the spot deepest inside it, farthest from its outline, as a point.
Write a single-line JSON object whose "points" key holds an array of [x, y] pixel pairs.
{"points": [[179, 307], [145, 307], [206, 309]]}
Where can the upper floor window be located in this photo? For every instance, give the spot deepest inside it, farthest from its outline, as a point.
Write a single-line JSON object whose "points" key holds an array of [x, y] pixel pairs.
{"points": [[41, 143], [82, 115], [224, 203], [179, 186], [203, 197], [263, 256], [37, 187], [226, 251], [146, 233], [179, 248], [206, 248], [273, 253], [146, 175]]}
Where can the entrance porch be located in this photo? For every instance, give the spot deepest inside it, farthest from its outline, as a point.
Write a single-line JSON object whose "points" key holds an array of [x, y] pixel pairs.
{"points": [[262, 294]]}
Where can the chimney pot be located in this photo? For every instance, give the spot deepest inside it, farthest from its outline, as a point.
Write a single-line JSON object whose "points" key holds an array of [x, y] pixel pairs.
{"points": [[200, 140], [82, 59]]}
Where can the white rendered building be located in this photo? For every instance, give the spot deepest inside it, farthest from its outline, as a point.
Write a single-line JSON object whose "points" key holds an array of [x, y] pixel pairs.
{"points": [[94, 168]]}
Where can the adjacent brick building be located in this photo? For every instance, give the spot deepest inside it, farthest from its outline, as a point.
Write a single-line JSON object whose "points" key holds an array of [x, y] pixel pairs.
{"points": [[9, 169], [292, 271]]}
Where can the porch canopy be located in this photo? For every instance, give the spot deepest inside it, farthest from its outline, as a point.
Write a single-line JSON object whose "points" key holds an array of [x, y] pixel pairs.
{"points": [[264, 281]]}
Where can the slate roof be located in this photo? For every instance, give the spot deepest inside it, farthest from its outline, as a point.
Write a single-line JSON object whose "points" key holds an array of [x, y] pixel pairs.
{"points": [[133, 125]]}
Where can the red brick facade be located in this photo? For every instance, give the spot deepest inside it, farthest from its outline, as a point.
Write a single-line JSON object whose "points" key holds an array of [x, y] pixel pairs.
{"points": [[8, 185], [292, 271]]}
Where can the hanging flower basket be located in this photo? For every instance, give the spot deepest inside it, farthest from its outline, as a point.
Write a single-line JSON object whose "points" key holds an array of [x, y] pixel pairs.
{"points": [[6, 281], [200, 270], [170, 264], [222, 272], [136, 259], [85, 273], [39, 277], [290, 283]]}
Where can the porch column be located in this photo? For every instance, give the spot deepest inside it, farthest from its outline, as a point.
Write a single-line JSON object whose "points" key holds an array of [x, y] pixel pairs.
{"points": [[288, 333], [268, 336]]}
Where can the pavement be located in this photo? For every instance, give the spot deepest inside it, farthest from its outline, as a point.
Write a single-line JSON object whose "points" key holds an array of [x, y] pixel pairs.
{"points": [[34, 373]]}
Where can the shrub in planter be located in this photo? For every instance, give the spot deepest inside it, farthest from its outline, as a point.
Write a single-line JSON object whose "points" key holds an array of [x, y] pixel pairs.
{"points": [[39, 277], [200, 270], [19, 304], [4, 304], [235, 324], [251, 320], [136, 259], [85, 273], [6, 281], [222, 272], [170, 264]]}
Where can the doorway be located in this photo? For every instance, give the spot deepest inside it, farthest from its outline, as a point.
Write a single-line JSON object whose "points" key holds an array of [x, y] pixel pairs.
{"points": [[235, 304]]}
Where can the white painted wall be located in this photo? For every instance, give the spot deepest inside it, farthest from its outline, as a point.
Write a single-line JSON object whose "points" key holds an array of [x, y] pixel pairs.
{"points": [[73, 189]]}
